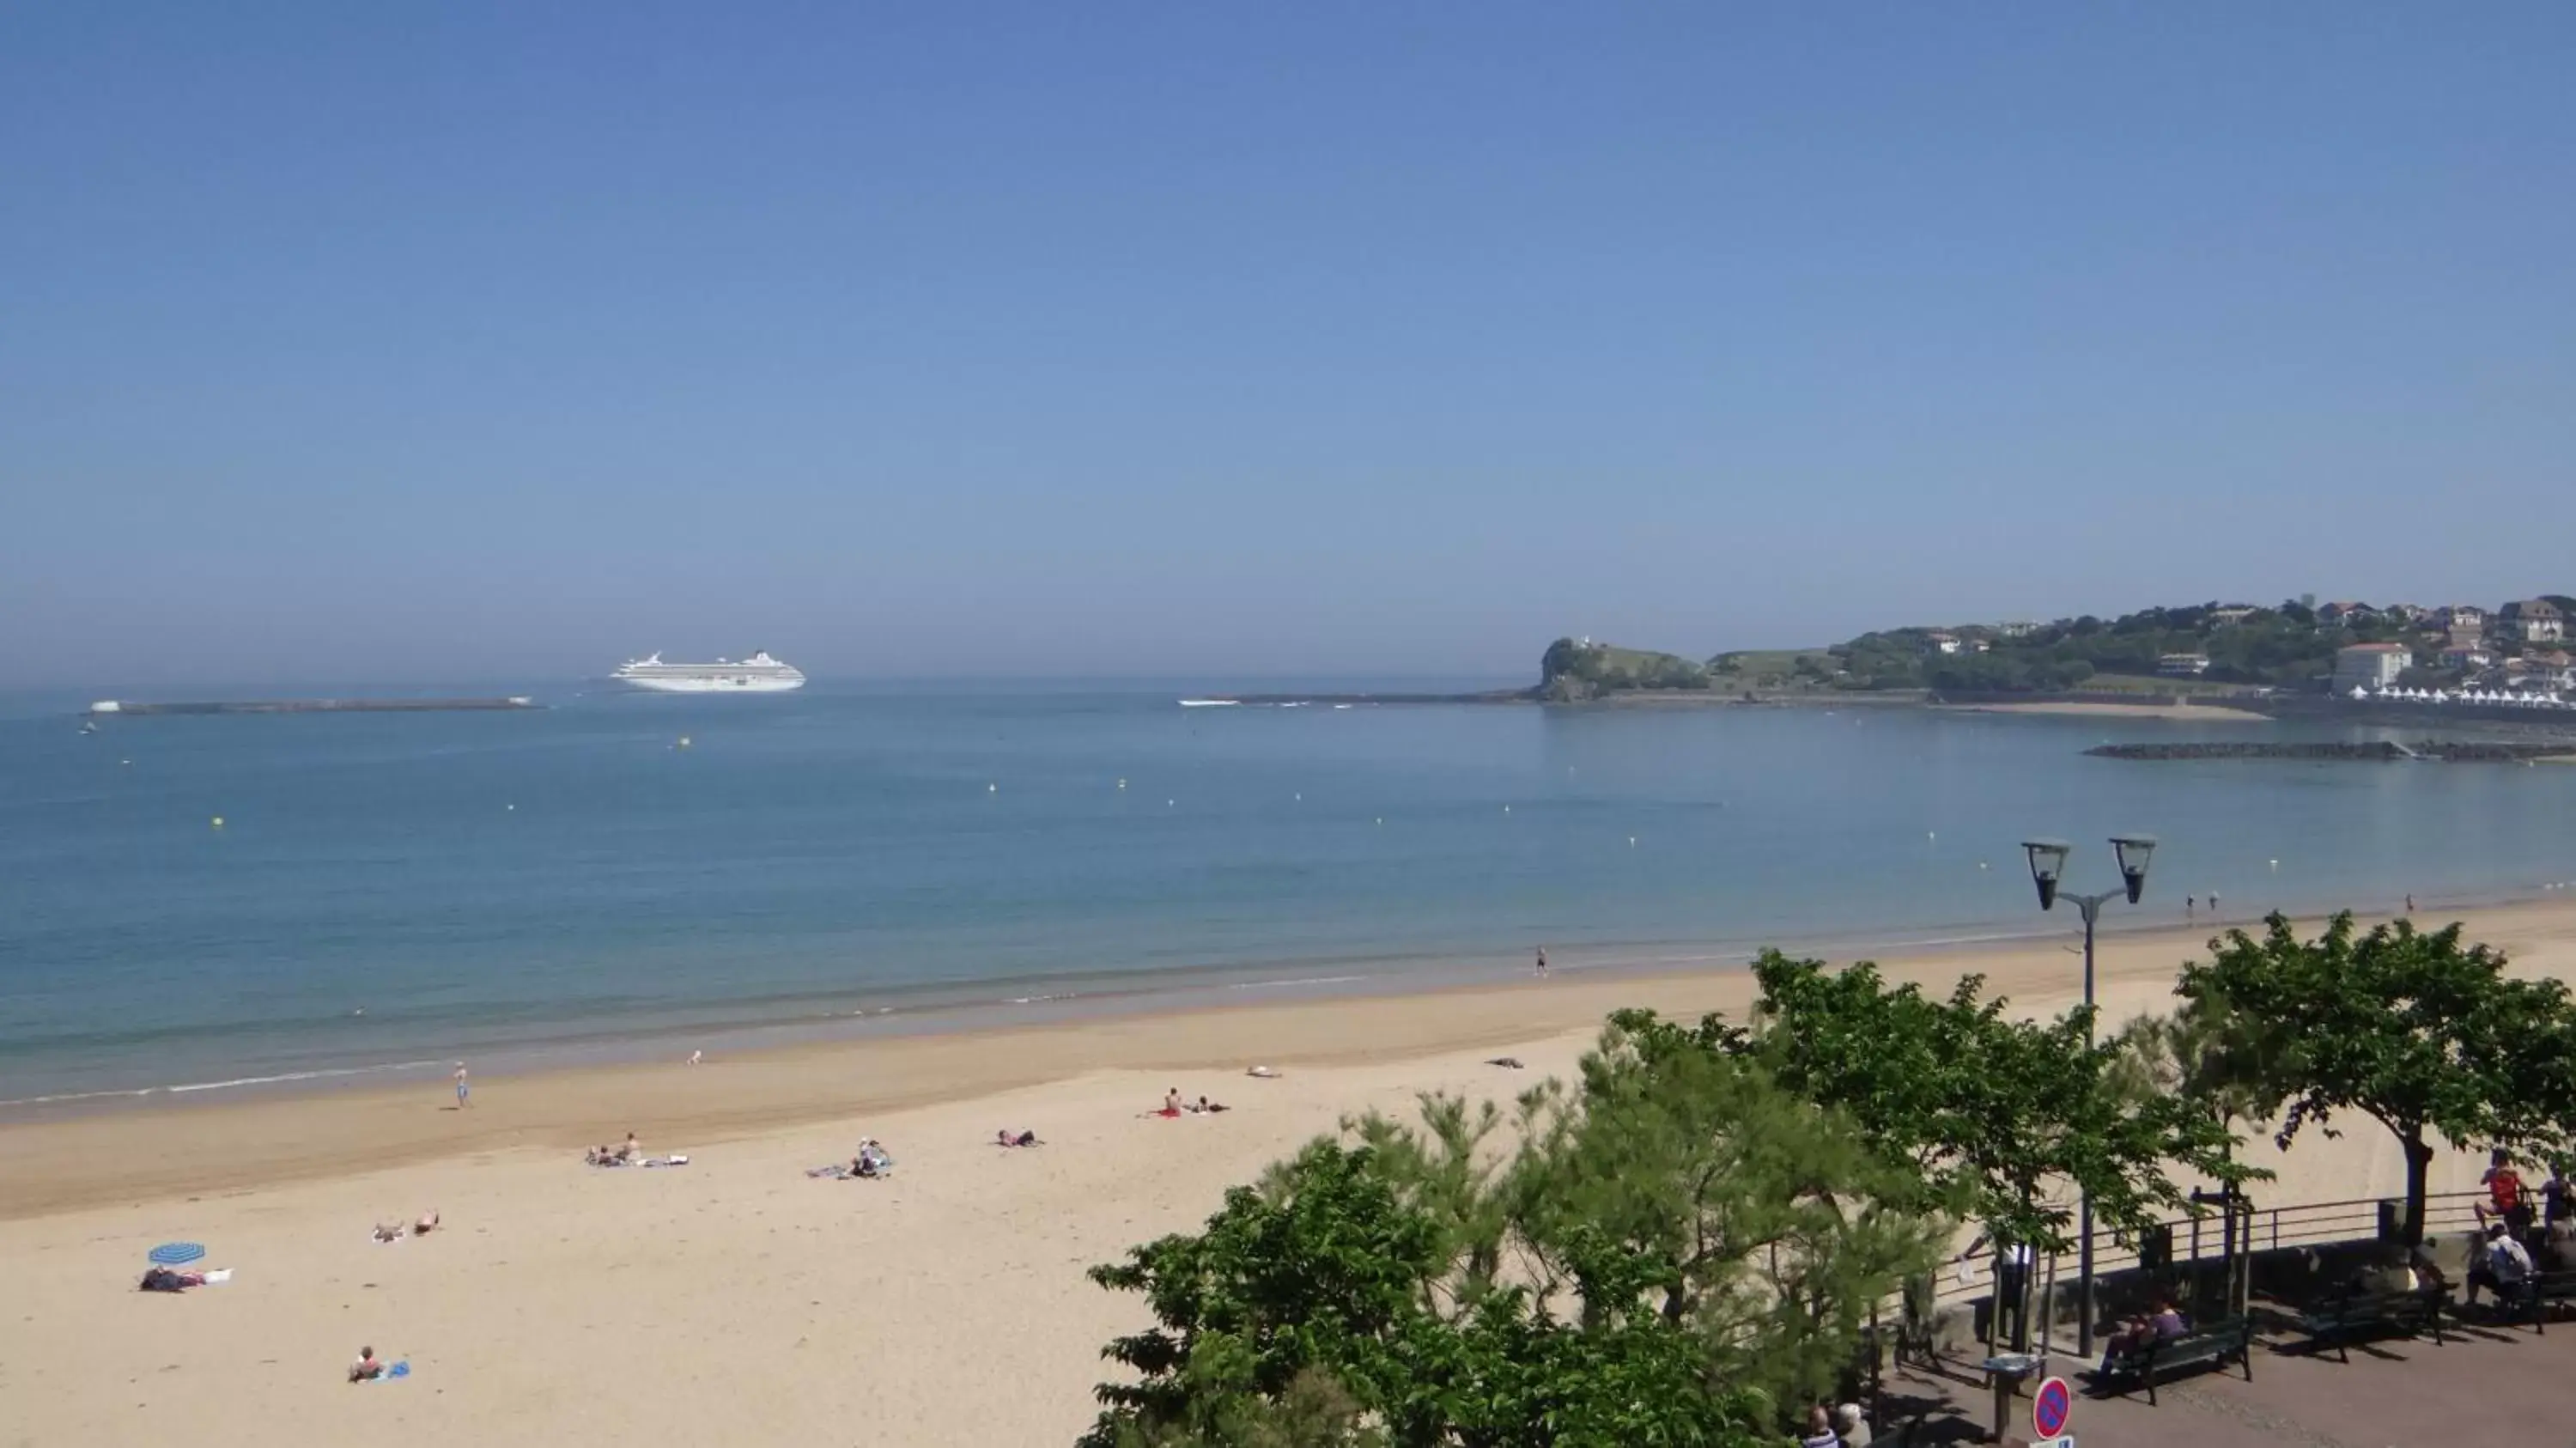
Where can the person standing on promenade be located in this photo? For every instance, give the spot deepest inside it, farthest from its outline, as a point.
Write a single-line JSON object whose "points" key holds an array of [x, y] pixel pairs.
{"points": [[461, 1090]]}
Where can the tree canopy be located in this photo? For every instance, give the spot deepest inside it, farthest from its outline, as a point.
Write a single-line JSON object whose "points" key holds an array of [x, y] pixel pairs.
{"points": [[1996, 1109], [1673, 1250], [2425, 1035]]}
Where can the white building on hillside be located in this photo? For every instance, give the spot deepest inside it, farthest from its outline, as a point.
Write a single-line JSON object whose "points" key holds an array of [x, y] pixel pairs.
{"points": [[2370, 666]]}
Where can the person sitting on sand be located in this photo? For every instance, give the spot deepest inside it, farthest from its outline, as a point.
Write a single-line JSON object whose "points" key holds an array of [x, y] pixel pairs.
{"points": [[427, 1223], [633, 1150], [1172, 1102], [367, 1366]]}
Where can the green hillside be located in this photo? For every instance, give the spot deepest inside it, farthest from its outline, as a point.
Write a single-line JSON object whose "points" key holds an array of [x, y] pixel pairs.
{"points": [[1576, 669]]}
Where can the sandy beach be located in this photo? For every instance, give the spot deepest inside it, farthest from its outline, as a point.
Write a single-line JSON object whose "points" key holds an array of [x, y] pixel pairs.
{"points": [[736, 1300]]}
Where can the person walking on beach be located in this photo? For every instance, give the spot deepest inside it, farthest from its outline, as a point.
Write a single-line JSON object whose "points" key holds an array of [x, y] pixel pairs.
{"points": [[2410, 904], [461, 1091], [1542, 962]]}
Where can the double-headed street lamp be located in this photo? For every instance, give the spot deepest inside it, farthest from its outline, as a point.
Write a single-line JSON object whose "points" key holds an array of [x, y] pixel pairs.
{"points": [[2047, 867]]}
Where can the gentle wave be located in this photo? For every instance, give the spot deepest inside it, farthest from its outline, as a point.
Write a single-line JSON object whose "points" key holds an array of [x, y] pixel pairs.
{"points": [[1297, 981], [186, 1088]]}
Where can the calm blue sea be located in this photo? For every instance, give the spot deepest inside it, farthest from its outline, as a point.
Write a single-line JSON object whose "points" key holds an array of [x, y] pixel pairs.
{"points": [[390, 892]]}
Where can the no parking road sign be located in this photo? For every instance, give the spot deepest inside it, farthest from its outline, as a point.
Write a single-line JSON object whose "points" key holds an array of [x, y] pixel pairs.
{"points": [[2049, 1409]]}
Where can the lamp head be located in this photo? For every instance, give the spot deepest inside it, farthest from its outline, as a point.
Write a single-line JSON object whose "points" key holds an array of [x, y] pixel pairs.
{"points": [[2134, 852], [2047, 867]]}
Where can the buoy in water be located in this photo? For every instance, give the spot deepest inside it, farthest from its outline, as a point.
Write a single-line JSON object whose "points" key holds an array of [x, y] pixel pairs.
{"points": [[1122, 784], [219, 822], [684, 741], [992, 789]]}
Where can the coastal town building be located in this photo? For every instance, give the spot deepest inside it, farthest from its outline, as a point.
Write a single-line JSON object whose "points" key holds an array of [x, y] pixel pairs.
{"points": [[2016, 628], [2370, 666], [2533, 620], [2465, 652], [1942, 642], [2233, 613], [2460, 617], [2182, 666], [2346, 613]]}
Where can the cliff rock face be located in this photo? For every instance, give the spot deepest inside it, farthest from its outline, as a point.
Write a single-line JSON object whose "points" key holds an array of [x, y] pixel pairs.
{"points": [[1574, 670]]}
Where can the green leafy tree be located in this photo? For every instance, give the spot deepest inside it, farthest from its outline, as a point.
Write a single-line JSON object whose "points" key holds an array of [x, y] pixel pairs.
{"points": [[2204, 1053], [1308, 1306], [1670, 1250], [2426, 1036], [1995, 1109]]}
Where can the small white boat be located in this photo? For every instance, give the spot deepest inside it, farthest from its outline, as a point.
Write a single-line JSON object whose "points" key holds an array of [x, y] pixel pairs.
{"points": [[1210, 703]]}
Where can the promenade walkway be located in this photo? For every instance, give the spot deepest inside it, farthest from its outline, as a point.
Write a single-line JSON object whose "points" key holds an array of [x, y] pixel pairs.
{"points": [[2487, 1384]]}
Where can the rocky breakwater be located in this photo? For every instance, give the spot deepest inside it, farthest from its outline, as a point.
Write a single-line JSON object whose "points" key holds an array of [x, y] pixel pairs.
{"points": [[2377, 751]]}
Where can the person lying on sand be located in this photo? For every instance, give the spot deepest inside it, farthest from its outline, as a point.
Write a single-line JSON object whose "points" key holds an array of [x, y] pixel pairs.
{"points": [[1209, 1108], [1008, 1137], [367, 1366], [162, 1279], [1509, 1063], [389, 1231], [1262, 1073]]}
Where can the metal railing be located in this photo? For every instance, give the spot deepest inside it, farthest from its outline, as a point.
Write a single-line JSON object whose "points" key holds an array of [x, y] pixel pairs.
{"points": [[1970, 1275]]}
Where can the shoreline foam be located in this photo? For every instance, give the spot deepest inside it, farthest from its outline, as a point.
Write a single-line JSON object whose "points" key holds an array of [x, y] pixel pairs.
{"points": [[83, 1158]]}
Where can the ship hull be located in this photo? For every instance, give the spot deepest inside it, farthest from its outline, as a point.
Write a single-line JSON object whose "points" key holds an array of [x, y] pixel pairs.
{"points": [[721, 684]]}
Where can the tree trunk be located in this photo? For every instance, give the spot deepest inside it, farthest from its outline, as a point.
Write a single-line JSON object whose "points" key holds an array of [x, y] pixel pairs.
{"points": [[2418, 1158]]}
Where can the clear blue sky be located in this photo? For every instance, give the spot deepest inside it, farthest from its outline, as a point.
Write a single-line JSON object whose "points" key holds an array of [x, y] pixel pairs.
{"points": [[370, 341]]}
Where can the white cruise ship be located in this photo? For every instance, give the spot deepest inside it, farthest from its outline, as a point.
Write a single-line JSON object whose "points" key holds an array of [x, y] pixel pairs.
{"points": [[759, 674]]}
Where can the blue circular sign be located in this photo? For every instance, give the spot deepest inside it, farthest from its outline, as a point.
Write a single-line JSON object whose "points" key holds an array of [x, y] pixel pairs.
{"points": [[2050, 1407]]}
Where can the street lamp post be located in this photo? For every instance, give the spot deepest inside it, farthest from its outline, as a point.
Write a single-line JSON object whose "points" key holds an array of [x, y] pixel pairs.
{"points": [[2047, 868]]}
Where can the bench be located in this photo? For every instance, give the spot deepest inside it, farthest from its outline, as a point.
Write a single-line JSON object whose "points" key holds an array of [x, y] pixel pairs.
{"points": [[2542, 1289], [2341, 1319], [2209, 1346]]}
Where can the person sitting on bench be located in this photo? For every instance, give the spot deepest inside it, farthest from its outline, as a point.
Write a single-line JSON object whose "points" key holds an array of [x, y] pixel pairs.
{"points": [[2164, 1322], [2503, 1265]]}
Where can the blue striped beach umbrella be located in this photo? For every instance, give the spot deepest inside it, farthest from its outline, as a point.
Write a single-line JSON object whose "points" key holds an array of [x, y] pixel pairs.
{"points": [[175, 1254]]}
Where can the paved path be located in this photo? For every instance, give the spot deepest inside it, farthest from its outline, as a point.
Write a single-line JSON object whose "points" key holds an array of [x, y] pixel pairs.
{"points": [[2485, 1385]]}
